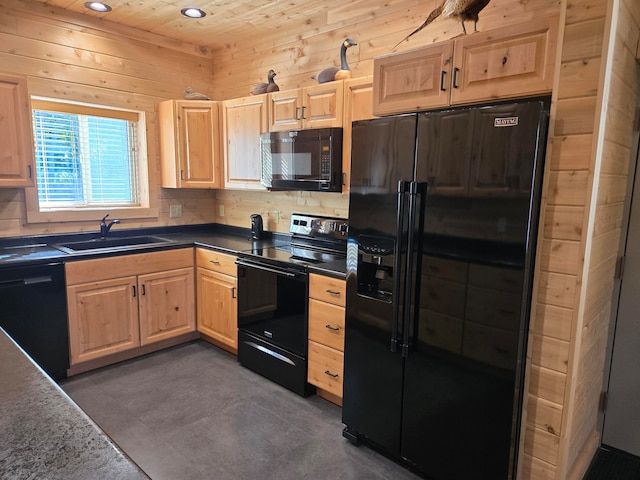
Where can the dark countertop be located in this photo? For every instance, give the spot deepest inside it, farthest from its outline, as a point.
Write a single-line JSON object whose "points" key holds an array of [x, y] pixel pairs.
{"points": [[40, 249], [46, 435]]}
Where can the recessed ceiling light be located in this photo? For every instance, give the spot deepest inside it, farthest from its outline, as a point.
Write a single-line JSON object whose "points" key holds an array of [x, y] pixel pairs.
{"points": [[98, 6], [192, 12]]}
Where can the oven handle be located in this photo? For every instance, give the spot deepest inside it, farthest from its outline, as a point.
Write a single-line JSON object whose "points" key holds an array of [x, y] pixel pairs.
{"points": [[259, 266]]}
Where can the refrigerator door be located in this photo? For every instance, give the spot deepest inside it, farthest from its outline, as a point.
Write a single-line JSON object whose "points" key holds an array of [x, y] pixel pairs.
{"points": [[461, 398], [382, 157]]}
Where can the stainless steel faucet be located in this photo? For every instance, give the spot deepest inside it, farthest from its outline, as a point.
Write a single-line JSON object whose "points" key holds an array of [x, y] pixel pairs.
{"points": [[105, 227]]}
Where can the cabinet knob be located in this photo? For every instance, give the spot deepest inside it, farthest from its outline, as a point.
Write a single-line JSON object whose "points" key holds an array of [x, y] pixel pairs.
{"points": [[332, 375], [332, 292], [334, 329], [215, 262]]}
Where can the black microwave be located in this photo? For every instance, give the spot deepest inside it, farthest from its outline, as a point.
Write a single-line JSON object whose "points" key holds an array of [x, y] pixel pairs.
{"points": [[302, 160]]}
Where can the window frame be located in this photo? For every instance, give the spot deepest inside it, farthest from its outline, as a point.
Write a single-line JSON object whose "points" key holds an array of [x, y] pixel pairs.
{"points": [[147, 205]]}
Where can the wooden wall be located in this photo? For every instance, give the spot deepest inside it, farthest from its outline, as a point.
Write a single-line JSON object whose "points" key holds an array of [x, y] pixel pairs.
{"points": [[615, 135], [76, 57]]}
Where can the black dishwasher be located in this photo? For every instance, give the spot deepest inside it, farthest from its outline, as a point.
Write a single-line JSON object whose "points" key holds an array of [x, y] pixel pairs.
{"points": [[34, 314]]}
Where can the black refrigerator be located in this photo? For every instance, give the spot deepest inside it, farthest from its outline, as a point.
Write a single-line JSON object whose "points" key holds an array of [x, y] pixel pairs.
{"points": [[443, 218]]}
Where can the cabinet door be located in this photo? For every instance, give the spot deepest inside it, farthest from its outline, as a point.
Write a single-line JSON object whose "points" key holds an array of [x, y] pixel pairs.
{"points": [[166, 305], [198, 144], [414, 80], [189, 146], [322, 105], [103, 318], [358, 105], [243, 120], [285, 110], [217, 308], [513, 61], [16, 138]]}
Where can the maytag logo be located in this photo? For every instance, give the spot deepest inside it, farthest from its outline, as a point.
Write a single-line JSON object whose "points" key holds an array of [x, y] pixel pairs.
{"points": [[293, 133], [505, 122]]}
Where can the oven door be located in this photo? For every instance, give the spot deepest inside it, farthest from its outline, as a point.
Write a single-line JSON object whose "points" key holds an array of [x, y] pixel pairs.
{"points": [[272, 323]]}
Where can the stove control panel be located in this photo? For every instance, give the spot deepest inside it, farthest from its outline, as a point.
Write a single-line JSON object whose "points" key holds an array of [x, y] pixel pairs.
{"points": [[318, 226]]}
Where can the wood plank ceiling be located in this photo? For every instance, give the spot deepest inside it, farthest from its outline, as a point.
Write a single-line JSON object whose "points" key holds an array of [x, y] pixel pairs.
{"points": [[226, 21]]}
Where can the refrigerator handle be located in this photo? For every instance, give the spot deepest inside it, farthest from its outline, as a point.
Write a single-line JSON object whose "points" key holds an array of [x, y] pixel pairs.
{"points": [[401, 207], [419, 193], [408, 281]]}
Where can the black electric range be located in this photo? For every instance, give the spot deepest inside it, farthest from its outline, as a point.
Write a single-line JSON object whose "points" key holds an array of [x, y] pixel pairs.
{"points": [[272, 299]]}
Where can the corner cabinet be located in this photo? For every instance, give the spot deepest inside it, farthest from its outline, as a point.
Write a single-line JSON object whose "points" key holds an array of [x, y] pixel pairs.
{"points": [[189, 144], [120, 303], [243, 120], [317, 106], [16, 155], [326, 336], [509, 62], [217, 305]]}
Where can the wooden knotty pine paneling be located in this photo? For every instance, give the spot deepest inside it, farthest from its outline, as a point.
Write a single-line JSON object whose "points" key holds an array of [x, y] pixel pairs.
{"points": [[78, 58], [561, 255], [592, 317]]}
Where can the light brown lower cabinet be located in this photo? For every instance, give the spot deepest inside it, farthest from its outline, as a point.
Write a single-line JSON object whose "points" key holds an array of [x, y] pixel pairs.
{"points": [[217, 305], [326, 336], [120, 303]]}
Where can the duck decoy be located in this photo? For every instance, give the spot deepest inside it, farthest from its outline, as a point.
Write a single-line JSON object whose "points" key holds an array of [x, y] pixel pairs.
{"points": [[338, 73], [189, 94], [267, 87]]}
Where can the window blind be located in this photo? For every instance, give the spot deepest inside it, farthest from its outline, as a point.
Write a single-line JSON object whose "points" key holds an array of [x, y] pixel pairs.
{"points": [[85, 160]]}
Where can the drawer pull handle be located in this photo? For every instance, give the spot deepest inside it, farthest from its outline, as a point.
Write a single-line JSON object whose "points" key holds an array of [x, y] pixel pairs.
{"points": [[335, 329], [215, 262], [332, 292], [333, 375]]}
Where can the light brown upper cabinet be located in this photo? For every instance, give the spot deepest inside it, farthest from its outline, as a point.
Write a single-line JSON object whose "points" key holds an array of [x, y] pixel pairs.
{"points": [[317, 106], [513, 61], [243, 120], [357, 106], [16, 137], [189, 144]]}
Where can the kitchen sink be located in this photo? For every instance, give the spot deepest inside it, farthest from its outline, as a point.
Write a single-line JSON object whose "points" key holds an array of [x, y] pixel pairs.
{"points": [[111, 243]]}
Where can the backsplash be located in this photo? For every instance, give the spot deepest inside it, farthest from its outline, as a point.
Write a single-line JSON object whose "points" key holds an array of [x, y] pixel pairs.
{"points": [[234, 207]]}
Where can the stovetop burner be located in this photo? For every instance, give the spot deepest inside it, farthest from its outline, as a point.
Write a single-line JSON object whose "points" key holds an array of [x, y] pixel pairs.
{"points": [[315, 240]]}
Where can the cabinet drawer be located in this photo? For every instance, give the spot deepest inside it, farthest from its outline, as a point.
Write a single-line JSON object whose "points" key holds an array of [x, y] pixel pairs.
{"points": [[326, 367], [327, 289], [326, 324], [216, 261]]}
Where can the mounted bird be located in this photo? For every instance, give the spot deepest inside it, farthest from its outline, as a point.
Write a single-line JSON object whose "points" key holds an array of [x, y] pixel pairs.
{"points": [[269, 86], [461, 10], [189, 94], [338, 73]]}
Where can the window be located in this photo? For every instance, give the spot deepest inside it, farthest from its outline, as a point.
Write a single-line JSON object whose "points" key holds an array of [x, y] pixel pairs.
{"points": [[87, 158]]}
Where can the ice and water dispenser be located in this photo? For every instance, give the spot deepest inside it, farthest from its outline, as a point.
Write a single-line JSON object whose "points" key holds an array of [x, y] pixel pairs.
{"points": [[376, 264]]}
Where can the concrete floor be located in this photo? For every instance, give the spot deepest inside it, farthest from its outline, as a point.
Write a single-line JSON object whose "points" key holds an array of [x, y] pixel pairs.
{"points": [[192, 412]]}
